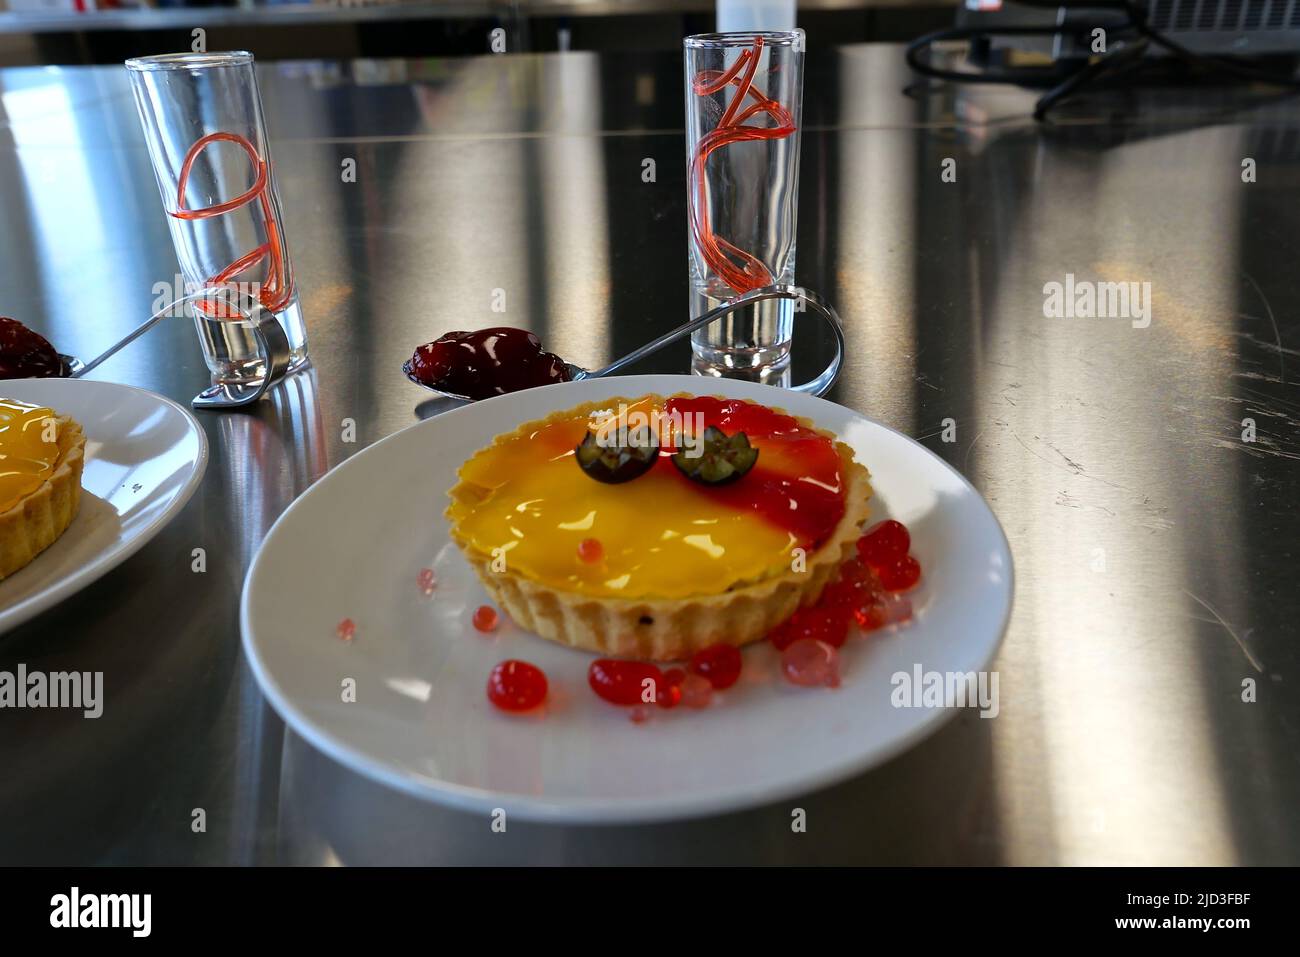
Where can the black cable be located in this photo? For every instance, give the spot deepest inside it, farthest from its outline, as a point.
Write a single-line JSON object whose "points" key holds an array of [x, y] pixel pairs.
{"points": [[1014, 77], [1121, 60]]}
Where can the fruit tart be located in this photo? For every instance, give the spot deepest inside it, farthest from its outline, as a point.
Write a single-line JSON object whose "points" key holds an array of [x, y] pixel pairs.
{"points": [[42, 453], [655, 526]]}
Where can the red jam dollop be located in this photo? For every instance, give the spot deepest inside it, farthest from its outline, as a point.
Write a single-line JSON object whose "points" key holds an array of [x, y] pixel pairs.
{"points": [[25, 354], [479, 365]]}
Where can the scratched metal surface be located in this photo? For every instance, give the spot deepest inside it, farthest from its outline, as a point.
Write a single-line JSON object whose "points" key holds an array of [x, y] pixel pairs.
{"points": [[1155, 550]]}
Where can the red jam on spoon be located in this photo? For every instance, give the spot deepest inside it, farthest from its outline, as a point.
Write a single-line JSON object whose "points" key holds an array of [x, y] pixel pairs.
{"points": [[27, 355], [479, 365]]}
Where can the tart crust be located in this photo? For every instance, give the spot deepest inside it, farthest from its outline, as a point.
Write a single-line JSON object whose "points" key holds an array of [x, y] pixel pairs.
{"points": [[36, 520], [667, 629]]}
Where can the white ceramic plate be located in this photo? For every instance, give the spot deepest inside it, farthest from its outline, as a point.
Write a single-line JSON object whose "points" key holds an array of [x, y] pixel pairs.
{"points": [[353, 545], [144, 458]]}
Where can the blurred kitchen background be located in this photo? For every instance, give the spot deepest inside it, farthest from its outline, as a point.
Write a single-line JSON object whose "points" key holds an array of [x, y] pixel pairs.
{"points": [[108, 31]]}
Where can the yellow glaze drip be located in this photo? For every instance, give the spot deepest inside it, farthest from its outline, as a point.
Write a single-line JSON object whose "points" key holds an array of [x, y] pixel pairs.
{"points": [[660, 537], [26, 458]]}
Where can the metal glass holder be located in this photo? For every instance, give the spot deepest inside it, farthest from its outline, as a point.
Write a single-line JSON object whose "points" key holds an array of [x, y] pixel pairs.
{"points": [[272, 346], [819, 385]]}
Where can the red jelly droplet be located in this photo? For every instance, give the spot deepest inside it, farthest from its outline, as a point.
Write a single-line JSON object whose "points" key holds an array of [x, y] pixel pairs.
{"points": [[347, 629], [516, 686], [854, 571], [668, 695], [485, 618], [871, 615], [884, 543], [590, 550], [623, 682], [639, 714], [856, 584], [900, 574], [811, 664], [818, 623], [426, 580], [719, 663]]}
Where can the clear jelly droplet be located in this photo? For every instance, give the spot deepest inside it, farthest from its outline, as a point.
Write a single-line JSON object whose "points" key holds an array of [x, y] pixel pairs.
{"points": [[697, 691], [811, 663], [426, 580], [897, 608]]}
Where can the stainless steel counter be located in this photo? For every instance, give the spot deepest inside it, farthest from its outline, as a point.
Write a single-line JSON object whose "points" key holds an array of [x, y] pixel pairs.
{"points": [[1156, 552]]}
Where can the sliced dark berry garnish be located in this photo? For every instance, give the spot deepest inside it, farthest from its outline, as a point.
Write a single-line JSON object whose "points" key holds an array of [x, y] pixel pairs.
{"points": [[615, 458], [718, 458]]}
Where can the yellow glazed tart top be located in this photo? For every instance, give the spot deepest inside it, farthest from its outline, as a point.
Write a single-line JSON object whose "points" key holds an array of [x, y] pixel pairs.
{"points": [[29, 449], [525, 501]]}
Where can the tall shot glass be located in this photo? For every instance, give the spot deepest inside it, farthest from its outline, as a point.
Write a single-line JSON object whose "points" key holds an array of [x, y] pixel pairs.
{"points": [[744, 98], [203, 122]]}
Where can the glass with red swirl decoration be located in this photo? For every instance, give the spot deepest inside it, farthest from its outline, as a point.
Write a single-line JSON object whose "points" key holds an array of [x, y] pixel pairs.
{"points": [[204, 126], [744, 94]]}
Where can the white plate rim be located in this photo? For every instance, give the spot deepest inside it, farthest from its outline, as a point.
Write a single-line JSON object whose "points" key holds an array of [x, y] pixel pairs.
{"points": [[91, 572], [596, 811]]}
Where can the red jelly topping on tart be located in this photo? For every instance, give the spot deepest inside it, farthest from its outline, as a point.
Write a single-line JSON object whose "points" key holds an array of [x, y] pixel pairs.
{"points": [[796, 483]]}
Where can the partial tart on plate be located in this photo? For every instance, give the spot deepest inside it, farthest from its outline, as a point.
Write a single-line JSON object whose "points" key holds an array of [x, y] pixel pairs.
{"points": [[654, 554], [41, 458]]}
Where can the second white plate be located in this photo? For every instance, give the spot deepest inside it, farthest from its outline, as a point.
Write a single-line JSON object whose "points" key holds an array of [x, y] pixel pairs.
{"points": [[145, 456], [352, 547]]}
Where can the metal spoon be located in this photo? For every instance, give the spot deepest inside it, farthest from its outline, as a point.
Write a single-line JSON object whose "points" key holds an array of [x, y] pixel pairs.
{"points": [[814, 303], [272, 344]]}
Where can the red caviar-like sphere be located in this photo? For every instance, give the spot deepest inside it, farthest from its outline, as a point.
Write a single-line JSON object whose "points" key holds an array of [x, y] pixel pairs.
{"points": [[516, 686], [670, 693], [818, 623], [590, 550], [900, 574], [856, 585], [884, 543], [485, 618], [622, 682], [487, 362], [871, 615], [719, 663]]}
